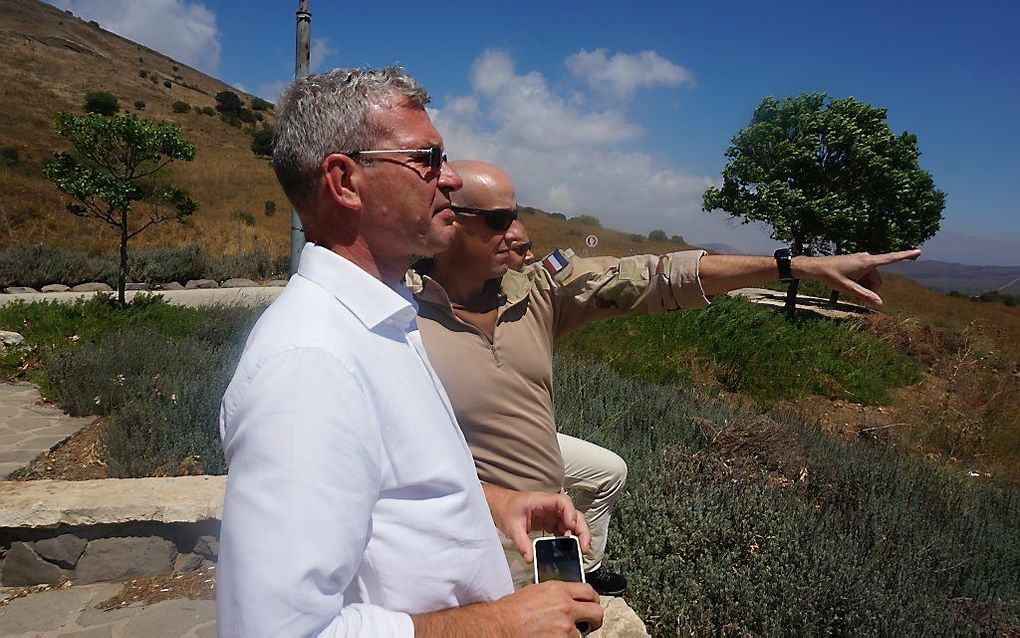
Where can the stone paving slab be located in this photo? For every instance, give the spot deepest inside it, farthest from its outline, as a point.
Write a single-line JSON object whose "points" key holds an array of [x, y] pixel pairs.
{"points": [[29, 427], [72, 612]]}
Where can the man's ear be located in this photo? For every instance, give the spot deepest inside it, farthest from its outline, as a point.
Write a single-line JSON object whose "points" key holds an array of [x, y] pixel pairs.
{"points": [[343, 180]]}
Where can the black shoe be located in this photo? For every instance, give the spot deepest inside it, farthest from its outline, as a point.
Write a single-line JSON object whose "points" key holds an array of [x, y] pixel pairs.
{"points": [[606, 583]]}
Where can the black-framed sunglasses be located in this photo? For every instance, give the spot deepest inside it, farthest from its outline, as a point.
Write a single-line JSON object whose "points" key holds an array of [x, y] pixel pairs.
{"points": [[521, 248], [498, 219], [434, 155]]}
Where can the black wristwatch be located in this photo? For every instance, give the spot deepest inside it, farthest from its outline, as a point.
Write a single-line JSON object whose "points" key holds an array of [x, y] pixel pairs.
{"points": [[784, 257]]}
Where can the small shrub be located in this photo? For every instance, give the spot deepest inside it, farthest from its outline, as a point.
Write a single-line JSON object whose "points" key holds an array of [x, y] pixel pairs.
{"points": [[246, 115], [636, 238], [208, 110], [228, 102], [231, 119], [154, 79], [557, 216], [677, 239], [258, 104], [168, 84], [143, 73], [657, 235], [262, 143], [101, 102], [177, 68], [140, 105], [243, 217], [36, 265], [589, 220], [163, 265], [269, 208], [8, 155], [93, 23], [180, 106]]}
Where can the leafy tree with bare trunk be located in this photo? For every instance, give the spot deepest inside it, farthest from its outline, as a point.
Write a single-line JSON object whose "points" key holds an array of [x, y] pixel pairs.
{"points": [[828, 176], [115, 164]]}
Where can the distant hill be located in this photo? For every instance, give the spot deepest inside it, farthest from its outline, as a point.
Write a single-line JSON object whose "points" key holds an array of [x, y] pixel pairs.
{"points": [[944, 276], [51, 59], [723, 249]]}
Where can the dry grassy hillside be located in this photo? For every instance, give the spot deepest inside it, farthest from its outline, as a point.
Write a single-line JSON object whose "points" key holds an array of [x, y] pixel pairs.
{"points": [[51, 59]]}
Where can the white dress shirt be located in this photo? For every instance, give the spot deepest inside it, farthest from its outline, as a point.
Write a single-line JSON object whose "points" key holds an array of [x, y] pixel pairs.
{"points": [[352, 500]]}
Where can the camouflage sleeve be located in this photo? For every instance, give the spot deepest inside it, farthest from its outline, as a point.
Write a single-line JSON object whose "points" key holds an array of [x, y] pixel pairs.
{"points": [[589, 289]]}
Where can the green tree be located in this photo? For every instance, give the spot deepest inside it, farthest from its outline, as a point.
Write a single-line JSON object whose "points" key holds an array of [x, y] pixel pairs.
{"points": [[262, 143], [113, 165], [589, 220], [180, 106], [657, 235], [678, 239], [102, 102], [828, 176], [258, 104], [228, 102]]}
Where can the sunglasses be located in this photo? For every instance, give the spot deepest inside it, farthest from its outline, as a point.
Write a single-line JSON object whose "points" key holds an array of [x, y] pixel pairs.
{"points": [[434, 156], [498, 220], [521, 248]]}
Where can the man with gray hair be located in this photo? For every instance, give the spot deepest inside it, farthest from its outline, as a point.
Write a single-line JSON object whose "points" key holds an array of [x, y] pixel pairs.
{"points": [[352, 505]]}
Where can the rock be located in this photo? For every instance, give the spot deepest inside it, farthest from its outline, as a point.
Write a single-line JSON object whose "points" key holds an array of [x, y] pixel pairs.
{"points": [[201, 283], [55, 288], [23, 567], [64, 550], [187, 563], [619, 621], [278, 283], [19, 290], [45, 503], [123, 558], [208, 546], [95, 286], [238, 282], [136, 286], [171, 285], [8, 338]]}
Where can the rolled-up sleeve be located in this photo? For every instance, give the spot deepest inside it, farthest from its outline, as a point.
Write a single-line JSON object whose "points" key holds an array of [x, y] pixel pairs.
{"points": [[589, 289], [306, 463]]}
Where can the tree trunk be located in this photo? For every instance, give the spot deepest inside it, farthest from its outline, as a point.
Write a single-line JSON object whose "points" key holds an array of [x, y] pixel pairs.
{"points": [[122, 270], [791, 290], [791, 298]]}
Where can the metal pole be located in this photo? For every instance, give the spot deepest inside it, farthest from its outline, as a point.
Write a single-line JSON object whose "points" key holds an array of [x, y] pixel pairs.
{"points": [[301, 55]]}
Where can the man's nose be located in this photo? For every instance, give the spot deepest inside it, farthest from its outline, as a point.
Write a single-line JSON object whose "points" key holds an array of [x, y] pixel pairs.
{"points": [[449, 178]]}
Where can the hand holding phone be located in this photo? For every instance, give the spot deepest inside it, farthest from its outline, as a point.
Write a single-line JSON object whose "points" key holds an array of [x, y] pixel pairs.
{"points": [[559, 558]]}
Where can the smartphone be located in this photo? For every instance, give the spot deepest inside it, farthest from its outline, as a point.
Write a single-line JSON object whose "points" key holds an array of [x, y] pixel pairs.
{"points": [[557, 558]]}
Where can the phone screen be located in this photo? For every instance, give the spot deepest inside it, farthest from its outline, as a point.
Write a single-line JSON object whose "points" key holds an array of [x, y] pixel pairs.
{"points": [[558, 559]]}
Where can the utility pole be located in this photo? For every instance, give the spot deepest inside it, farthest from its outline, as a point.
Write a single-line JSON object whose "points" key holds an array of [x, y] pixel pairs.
{"points": [[301, 55]]}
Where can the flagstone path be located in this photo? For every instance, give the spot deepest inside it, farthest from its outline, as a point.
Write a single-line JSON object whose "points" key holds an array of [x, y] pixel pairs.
{"points": [[29, 427]]}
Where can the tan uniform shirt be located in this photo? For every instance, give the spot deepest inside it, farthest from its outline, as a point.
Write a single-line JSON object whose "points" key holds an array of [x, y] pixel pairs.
{"points": [[502, 390]]}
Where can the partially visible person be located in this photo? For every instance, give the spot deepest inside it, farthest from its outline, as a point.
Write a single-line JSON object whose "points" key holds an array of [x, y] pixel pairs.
{"points": [[352, 505], [518, 240], [490, 330]]}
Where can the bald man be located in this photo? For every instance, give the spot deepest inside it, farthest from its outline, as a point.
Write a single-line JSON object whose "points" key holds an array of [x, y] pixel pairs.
{"points": [[489, 330]]}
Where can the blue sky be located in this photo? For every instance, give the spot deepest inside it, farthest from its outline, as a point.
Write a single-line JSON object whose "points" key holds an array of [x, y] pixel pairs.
{"points": [[623, 110]]}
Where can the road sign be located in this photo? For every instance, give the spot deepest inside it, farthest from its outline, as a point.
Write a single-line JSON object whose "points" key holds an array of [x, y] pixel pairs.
{"points": [[591, 241]]}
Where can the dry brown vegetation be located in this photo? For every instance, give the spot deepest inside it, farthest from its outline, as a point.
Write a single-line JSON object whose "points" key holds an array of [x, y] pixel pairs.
{"points": [[51, 60]]}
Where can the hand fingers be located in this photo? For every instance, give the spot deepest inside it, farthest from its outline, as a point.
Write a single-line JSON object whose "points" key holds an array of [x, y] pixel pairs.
{"points": [[523, 542], [589, 612], [862, 293], [582, 592], [900, 255], [871, 280]]}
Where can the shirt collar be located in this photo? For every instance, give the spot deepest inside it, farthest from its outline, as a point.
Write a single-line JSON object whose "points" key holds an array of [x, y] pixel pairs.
{"points": [[370, 300], [515, 286]]}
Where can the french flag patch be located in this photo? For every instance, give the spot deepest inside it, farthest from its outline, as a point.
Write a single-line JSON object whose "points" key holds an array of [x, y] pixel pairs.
{"points": [[555, 262]]}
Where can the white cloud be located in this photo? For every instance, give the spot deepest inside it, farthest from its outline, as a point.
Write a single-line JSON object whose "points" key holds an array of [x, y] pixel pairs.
{"points": [[319, 54], [272, 90], [563, 154], [183, 30], [625, 73]]}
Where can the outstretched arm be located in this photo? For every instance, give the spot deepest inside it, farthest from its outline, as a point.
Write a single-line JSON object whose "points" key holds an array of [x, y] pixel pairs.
{"points": [[855, 274]]}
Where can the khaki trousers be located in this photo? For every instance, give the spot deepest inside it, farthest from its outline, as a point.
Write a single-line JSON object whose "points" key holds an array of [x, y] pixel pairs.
{"points": [[594, 477]]}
